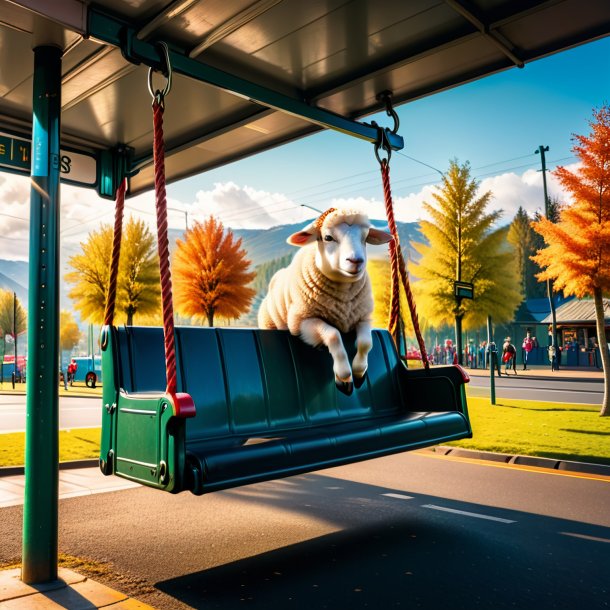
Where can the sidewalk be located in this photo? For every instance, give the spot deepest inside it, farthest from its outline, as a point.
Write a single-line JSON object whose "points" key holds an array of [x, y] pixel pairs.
{"points": [[538, 371], [71, 590]]}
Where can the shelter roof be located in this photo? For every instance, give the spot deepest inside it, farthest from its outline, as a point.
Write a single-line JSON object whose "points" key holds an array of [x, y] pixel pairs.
{"points": [[252, 74], [579, 311]]}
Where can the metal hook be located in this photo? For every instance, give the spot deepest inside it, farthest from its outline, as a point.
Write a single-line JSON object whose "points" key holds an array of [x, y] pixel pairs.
{"points": [[386, 98], [158, 95], [382, 142]]}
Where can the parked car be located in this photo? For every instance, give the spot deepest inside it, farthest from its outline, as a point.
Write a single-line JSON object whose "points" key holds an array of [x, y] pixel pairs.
{"points": [[89, 370]]}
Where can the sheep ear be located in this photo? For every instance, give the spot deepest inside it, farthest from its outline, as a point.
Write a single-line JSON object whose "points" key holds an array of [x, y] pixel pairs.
{"points": [[377, 237], [303, 237]]}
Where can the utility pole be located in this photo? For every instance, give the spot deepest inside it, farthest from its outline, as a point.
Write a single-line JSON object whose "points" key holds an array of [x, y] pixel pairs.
{"points": [[549, 284]]}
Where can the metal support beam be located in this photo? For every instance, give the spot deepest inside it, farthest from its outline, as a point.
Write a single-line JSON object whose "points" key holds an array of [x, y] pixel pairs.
{"points": [[42, 413], [484, 28], [112, 31]]}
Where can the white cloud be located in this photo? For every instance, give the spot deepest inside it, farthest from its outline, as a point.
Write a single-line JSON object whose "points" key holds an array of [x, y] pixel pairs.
{"points": [[239, 207]]}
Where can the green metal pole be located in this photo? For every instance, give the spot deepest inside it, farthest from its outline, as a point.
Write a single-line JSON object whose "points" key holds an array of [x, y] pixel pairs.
{"points": [[42, 421], [492, 361]]}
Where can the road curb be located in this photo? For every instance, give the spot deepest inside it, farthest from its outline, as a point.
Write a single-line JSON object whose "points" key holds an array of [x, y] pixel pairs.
{"points": [[9, 471], [526, 460]]}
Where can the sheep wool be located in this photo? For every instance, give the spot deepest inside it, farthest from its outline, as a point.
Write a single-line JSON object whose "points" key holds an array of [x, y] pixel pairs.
{"points": [[302, 291]]}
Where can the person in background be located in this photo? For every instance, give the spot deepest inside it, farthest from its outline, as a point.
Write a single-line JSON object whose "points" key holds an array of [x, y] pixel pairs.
{"points": [[528, 346], [509, 356]]}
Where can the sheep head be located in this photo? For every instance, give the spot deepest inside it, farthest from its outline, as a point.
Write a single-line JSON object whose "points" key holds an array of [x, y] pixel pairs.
{"points": [[341, 237]]}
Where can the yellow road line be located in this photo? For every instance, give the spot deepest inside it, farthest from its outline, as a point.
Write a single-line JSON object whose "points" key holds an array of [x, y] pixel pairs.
{"points": [[534, 469]]}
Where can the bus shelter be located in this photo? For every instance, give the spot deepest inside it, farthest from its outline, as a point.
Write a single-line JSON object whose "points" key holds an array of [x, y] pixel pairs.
{"points": [[247, 75]]}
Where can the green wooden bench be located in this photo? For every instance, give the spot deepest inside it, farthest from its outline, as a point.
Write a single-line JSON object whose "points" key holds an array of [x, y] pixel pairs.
{"points": [[266, 407]]}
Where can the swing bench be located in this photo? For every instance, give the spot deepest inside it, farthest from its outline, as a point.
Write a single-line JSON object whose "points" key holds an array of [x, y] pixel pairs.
{"points": [[242, 406]]}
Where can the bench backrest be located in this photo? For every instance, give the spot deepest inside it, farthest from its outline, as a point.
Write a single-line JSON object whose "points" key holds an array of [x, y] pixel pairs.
{"points": [[254, 382]]}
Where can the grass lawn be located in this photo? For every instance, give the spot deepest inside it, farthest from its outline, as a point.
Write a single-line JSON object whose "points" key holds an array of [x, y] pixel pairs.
{"points": [[78, 389], [525, 427], [80, 444]]}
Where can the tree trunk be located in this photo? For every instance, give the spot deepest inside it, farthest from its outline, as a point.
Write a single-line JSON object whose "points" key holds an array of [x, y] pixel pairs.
{"points": [[210, 317], [129, 316], [603, 349]]}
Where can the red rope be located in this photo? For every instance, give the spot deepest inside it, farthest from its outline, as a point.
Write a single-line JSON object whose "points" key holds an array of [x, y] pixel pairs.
{"points": [[398, 268], [163, 244], [116, 253]]}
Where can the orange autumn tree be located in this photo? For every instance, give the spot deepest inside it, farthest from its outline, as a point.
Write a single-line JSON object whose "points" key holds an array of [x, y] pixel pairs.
{"points": [[210, 273], [577, 252]]}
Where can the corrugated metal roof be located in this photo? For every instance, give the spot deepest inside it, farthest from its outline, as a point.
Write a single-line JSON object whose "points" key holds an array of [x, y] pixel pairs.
{"points": [[578, 311], [335, 55]]}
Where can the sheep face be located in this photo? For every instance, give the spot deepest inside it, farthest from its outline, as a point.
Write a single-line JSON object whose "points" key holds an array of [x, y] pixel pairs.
{"points": [[341, 243]]}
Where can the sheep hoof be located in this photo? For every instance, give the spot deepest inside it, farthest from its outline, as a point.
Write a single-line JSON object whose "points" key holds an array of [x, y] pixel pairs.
{"points": [[359, 381], [346, 387]]}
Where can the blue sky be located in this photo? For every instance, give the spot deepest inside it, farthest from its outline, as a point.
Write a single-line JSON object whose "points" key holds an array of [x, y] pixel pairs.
{"points": [[495, 123]]}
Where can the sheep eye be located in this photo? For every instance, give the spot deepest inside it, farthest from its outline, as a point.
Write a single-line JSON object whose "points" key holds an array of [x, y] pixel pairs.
{"points": [[328, 238]]}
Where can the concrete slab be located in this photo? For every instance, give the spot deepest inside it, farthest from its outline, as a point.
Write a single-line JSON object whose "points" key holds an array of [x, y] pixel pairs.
{"points": [[70, 590], [72, 483]]}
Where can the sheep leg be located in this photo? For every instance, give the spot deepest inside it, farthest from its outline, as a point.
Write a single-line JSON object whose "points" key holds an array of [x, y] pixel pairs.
{"points": [[364, 344], [315, 331]]}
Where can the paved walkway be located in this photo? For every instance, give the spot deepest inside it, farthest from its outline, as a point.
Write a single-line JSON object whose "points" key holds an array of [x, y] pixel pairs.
{"points": [[71, 591], [544, 372]]}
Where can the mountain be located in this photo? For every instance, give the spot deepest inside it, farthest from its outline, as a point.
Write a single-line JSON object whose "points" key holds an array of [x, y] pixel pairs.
{"points": [[14, 278], [262, 245]]}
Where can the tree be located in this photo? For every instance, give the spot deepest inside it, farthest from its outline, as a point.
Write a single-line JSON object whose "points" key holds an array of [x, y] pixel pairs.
{"points": [[138, 290], [464, 245], [381, 285], [8, 304], [69, 333], [522, 237], [577, 252], [210, 272]]}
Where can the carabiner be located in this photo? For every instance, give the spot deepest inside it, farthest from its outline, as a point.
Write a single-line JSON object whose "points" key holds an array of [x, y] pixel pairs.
{"points": [[383, 142], [386, 98], [158, 95]]}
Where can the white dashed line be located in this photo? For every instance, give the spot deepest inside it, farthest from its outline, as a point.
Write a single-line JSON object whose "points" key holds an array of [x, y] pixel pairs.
{"points": [[467, 514], [398, 496]]}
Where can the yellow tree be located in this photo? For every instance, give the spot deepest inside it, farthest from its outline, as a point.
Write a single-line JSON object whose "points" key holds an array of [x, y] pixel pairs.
{"points": [[69, 333], [381, 285], [138, 290], [8, 305], [577, 252], [210, 273], [463, 244]]}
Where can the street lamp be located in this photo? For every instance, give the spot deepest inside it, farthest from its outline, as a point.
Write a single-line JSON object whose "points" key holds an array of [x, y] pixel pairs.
{"points": [[186, 215]]}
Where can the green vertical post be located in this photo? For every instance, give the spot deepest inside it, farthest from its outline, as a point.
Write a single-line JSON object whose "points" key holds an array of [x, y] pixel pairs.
{"points": [[492, 360], [42, 418]]}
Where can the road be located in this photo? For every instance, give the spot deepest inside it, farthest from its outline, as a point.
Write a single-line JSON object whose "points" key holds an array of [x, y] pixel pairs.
{"points": [[74, 412], [406, 531], [552, 390]]}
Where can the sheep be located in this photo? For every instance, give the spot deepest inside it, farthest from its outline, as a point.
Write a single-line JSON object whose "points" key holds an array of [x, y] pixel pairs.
{"points": [[326, 290]]}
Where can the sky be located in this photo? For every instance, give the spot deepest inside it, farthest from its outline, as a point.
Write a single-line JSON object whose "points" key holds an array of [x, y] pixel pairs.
{"points": [[495, 124]]}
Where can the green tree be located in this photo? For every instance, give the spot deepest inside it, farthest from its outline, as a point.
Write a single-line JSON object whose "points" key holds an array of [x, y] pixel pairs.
{"points": [[577, 253], [138, 290], [211, 273], [463, 243]]}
